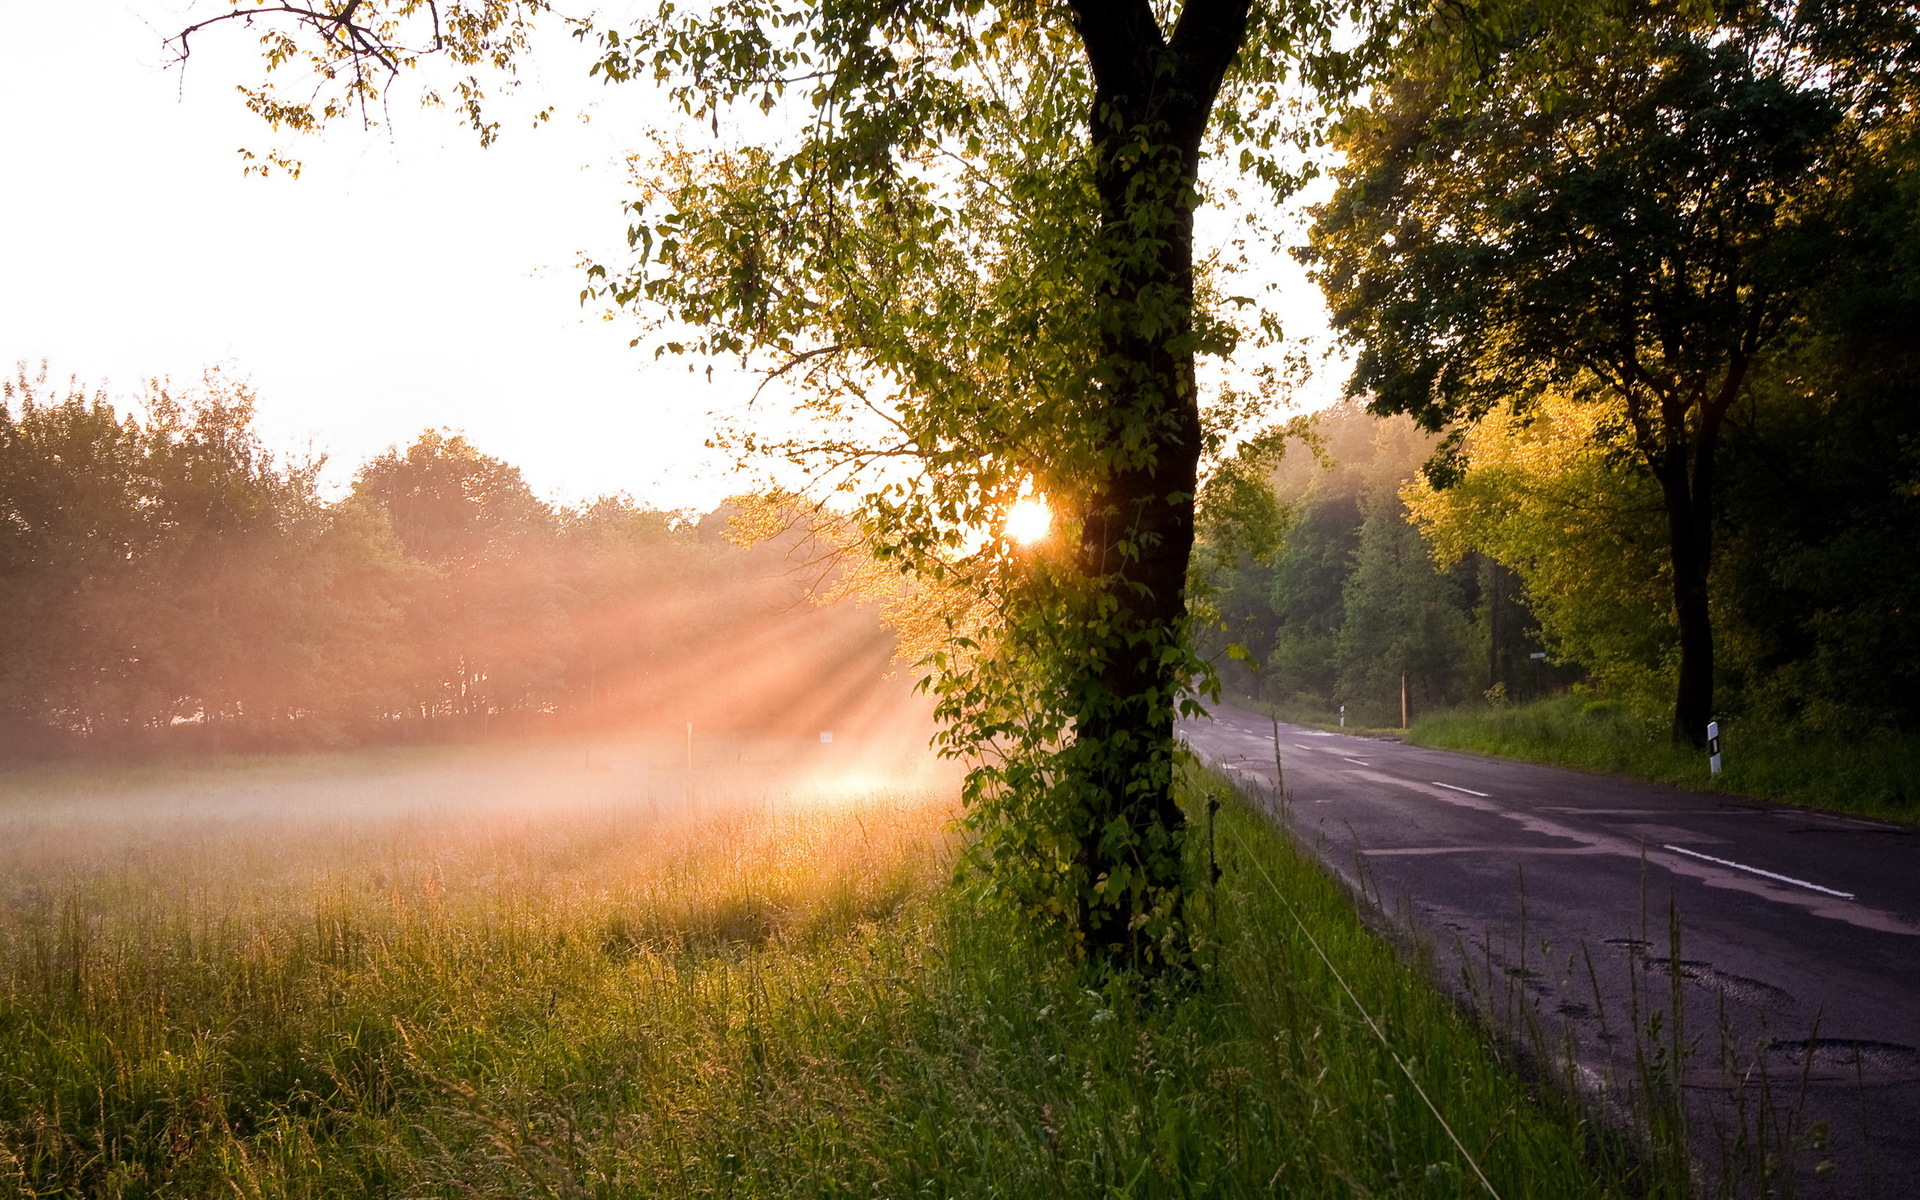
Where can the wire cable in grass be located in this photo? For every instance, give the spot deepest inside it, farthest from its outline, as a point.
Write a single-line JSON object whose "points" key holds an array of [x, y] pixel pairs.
{"points": [[1366, 1016]]}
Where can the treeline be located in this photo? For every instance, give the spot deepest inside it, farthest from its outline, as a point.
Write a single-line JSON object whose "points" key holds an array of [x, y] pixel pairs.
{"points": [[1354, 605], [166, 581]]}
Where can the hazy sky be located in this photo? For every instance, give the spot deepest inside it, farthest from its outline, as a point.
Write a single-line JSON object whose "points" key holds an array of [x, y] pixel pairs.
{"points": [[408, 279]]}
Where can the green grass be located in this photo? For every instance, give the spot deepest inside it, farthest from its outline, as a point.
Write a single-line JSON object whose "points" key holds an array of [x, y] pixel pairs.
{"points": [[1876, 775], [225, 986]]}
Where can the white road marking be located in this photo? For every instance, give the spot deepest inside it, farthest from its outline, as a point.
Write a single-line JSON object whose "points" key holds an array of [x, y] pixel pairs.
{"points": [[1833, 907], [1644, 812], [1812, 887], [1403, 851], [1468, 791], [1305, 747], [1359, 762]]}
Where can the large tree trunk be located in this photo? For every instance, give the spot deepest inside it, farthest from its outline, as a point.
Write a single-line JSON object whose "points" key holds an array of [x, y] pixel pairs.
{"points": [[1686, 489], [1693, 698], [1150, 110]]}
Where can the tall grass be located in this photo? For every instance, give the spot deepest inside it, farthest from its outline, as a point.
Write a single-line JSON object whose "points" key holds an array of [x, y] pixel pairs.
{"points": [[781, 994], [1877, 774]]}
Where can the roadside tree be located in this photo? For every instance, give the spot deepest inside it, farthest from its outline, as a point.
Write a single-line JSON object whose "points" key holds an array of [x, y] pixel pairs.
{"points": [[966, 243], [1612, 203]]}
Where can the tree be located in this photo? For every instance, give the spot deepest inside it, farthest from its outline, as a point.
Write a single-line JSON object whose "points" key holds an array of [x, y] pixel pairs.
{"points": [[1405, 624], [1549, 496], [71, 526], [1622, 205], [489, 613], [978, 242], [1012, 306]]}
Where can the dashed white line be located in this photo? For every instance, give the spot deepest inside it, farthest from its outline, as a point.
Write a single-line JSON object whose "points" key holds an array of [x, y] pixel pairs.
{"points": [[1469, 791], [1725, 862], [1361, 762]]}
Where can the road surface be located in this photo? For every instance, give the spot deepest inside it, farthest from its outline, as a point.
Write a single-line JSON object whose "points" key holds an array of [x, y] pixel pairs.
{"points": [[1548, 897]]}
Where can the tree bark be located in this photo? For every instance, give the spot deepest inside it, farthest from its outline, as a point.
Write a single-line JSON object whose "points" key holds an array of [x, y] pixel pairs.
{"points": [[1152, 100], [1687, 492]]}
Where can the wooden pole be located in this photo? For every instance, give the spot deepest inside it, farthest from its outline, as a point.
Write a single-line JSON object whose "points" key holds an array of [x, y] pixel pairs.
{"points": [[1403, 701]]}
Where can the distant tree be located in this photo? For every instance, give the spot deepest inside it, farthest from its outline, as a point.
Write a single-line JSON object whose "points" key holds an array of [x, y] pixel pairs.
{"points": [[1404, 622], [71, 526], [491, 613], [1306, 596], [451, 504], [1613, 202], [160, 568], [1353, 597], [359, 666], [166, 581]]}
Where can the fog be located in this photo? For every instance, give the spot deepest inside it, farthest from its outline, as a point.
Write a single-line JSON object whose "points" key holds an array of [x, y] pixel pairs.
{"points": [[474, 823]]}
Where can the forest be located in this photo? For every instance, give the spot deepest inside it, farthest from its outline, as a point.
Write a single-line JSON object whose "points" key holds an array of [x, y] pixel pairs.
{"points": [[169, 583], [1542, 568]]}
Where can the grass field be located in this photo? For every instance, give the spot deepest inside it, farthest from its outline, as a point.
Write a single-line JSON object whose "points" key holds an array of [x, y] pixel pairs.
{"points": [[1876, 775], [500, 973]]}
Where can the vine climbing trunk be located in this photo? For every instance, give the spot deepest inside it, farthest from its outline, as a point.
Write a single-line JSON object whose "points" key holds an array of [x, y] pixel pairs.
{"points": [[1153, 94]]}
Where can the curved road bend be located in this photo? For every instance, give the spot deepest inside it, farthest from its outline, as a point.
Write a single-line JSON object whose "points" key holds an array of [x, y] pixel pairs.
{"points": [[1805, 926]]}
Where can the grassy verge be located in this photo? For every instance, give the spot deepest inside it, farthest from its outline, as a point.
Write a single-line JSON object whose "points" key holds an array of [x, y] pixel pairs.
{"points": [[1876, 775], [617, 994]]}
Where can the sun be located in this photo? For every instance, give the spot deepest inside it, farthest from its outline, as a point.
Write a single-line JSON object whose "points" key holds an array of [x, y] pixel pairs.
{"points": [[1029, 520]]}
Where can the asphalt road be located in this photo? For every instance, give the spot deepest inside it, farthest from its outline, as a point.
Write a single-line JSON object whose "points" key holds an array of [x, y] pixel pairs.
{"points": [[1549, 898]]}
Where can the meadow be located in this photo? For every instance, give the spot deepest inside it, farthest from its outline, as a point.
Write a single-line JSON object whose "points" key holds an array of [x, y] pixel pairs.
{"points": [[562, 971]]}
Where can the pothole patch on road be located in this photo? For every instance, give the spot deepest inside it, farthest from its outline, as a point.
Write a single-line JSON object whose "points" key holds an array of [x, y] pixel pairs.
{"points": [[1756, 992], [1742, 988]]}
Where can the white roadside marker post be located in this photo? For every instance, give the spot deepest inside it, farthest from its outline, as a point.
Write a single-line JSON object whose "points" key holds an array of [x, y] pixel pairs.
{"points": [[1713, 747], [1343, 716]]}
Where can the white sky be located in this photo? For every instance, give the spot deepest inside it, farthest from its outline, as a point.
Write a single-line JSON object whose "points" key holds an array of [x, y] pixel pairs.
{"points": [[408, 279]]}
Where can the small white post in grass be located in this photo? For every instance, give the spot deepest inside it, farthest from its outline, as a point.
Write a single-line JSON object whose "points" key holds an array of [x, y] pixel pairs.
{"points": [[1713, 747], [1343, 716]]}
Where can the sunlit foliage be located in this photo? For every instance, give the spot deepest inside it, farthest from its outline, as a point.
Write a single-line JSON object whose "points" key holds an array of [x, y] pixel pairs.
{"points": [[1548, 496]]}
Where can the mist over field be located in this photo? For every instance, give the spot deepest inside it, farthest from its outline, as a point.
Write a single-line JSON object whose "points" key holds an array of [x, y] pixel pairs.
{"points": [[242, 974], [171, 586], [446, 818]]}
